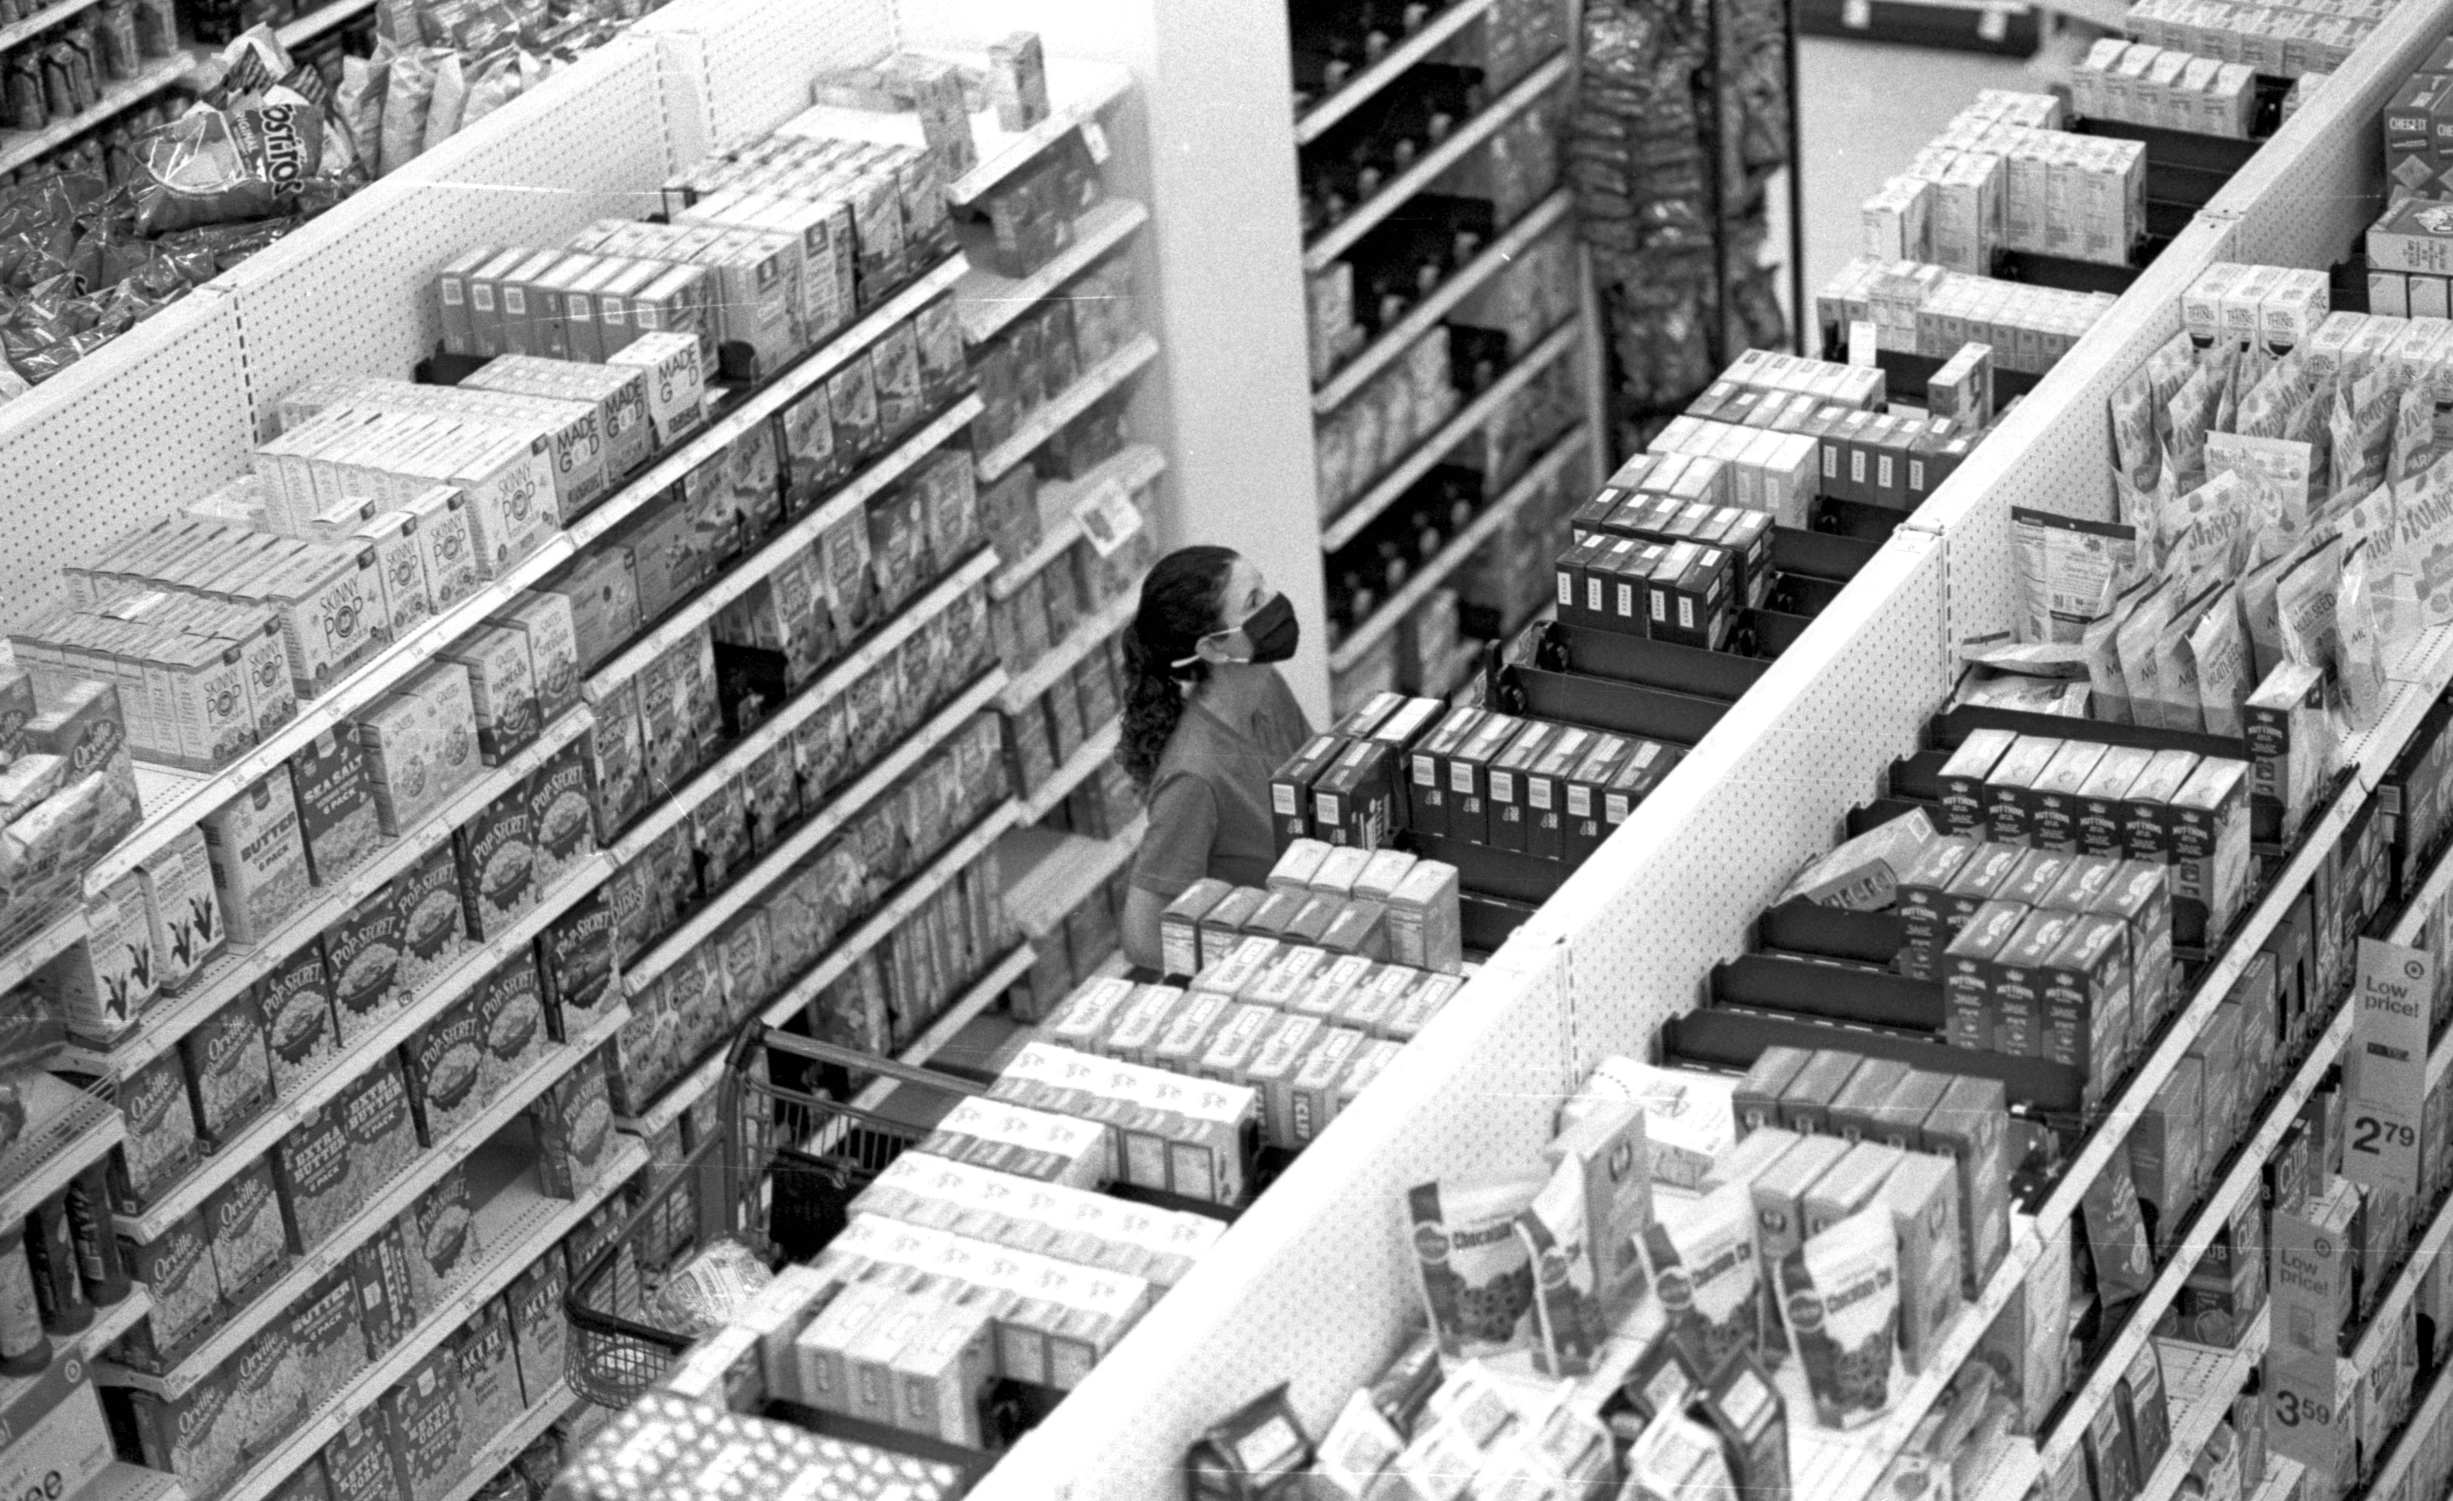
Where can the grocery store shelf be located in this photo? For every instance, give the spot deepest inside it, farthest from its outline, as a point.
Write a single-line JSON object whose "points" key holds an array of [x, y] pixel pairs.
{"points": [[949, 1025], [752, 884], [1400, 190], [1398, 337], [2392, 1477], [18, 147], [1077, 92], [1084, 763], [1362, 86], [87, 1343], [514, 1228], [45, 944], [897, 910], [506, 1446], [987, 302], [120, 1481], [226, 975], [185, 800], [322, 19], [41, 21], [1048, 875], [1134, 469], [794, 540], [2246, 1177], [67, 1130], [2011, 1470], [871, 652], [1359, 641], [425, 1170], [2199, 1384], [361, 1052], [1052, 415], [1085, 637], [1349, 523], [2283, 1475]]}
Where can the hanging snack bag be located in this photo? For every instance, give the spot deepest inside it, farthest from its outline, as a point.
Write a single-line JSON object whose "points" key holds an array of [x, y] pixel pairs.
{"points": [[2136, 642], [2220, 646], [1476, 1275], [2176, 669], [2100, 647], [2069, 571], [1840, 1293], [2304, 604], [2260, 617], [1702, 1253], [2116, 1234]]}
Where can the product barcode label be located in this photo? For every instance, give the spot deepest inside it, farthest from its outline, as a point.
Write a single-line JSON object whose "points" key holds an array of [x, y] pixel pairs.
{"points": [[1659, 609], [1567, 591], [1626, 601], [1686, 614], [1282, 798], [1537, 792], [1503, 786], [1426, 771]]}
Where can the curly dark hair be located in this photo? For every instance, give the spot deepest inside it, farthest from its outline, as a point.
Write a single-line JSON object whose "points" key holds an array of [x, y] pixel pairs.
{"points": [[1180, 602]]}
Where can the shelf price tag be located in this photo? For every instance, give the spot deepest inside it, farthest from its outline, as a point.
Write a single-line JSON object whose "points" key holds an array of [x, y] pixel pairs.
{"points": [[2387, 1068], [2305, 1417], [1857, 15], [1864, 342], [1993, 25], [1107, 516], [1094, 141]]}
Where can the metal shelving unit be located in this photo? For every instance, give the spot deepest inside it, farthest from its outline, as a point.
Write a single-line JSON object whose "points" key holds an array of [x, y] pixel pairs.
{"points": [[1052, 415], [1362, 87], [987, 302], [1134, 470]]}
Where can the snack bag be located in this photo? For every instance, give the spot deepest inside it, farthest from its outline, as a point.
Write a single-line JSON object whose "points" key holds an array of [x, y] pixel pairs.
{"points": [[2099, 647], [2220, 646], [2304, 604], [1566, 1302], [2140, 666], [1475, 1271], [2260, 615], [219, 166], [2069, 571], [2359, 646], [1840, 1293], [1704, 1264], [2116, 1235]]}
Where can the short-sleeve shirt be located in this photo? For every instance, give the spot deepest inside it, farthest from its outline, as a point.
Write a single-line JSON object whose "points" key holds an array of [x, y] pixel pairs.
{"points": [[1209, 802]]}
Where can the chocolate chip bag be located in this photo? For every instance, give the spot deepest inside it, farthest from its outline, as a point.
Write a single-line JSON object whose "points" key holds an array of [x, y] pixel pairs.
{"points": [[1475, 1272], [1709, 1277], [1840, 1296]]}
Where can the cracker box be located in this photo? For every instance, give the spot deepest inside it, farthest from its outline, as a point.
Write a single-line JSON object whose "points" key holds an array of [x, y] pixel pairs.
{"points": [[1855, 1110], [301, 1035], [1848, 1186], [1899, 1121], [1922, 1195], [161, 1133], [1973, 1013], [2165, 1148], [495, 855], [1971, 1125], [1962, 781], [229, 1077], [1757, 1101], [259, 865], [548, 625], [2210, 850], [182, 909], [1779, 1195], [420, 744], [336, 806], [503, 689], [1805, 1102], [2027, 1345], [1921, 902]]}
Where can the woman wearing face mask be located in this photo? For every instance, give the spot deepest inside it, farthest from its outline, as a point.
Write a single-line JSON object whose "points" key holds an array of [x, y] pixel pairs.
{"points": [[1206, 720]]}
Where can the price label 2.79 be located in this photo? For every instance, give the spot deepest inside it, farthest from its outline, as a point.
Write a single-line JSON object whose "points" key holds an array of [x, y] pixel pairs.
{"points": [[2386, 1068]]}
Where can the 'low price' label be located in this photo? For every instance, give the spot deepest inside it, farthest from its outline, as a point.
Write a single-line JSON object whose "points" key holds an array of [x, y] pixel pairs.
{"points": [[2387, 1068]]}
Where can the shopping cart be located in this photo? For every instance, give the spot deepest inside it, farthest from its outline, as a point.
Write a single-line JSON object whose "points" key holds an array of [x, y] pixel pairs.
{"points": [[778, 1173]]}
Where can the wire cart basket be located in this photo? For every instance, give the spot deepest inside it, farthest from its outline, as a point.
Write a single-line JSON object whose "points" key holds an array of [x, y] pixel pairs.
{"points": [[778, 1173]]}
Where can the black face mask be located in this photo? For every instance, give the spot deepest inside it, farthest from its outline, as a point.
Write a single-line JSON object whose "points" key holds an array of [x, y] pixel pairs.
{"points": [[1273, 631]]}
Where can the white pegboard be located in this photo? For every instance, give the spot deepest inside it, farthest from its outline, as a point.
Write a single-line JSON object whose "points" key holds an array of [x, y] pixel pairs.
{"points": [[1314, 1284], [353, 293], [149, 419], [2053, 452], [2307, 194], [751, 61], [1675, 890], [598, 127]]}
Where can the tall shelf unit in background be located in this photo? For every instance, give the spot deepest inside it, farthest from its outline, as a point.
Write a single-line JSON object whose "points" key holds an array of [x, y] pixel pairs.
{"points": [[1236, 399]]}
